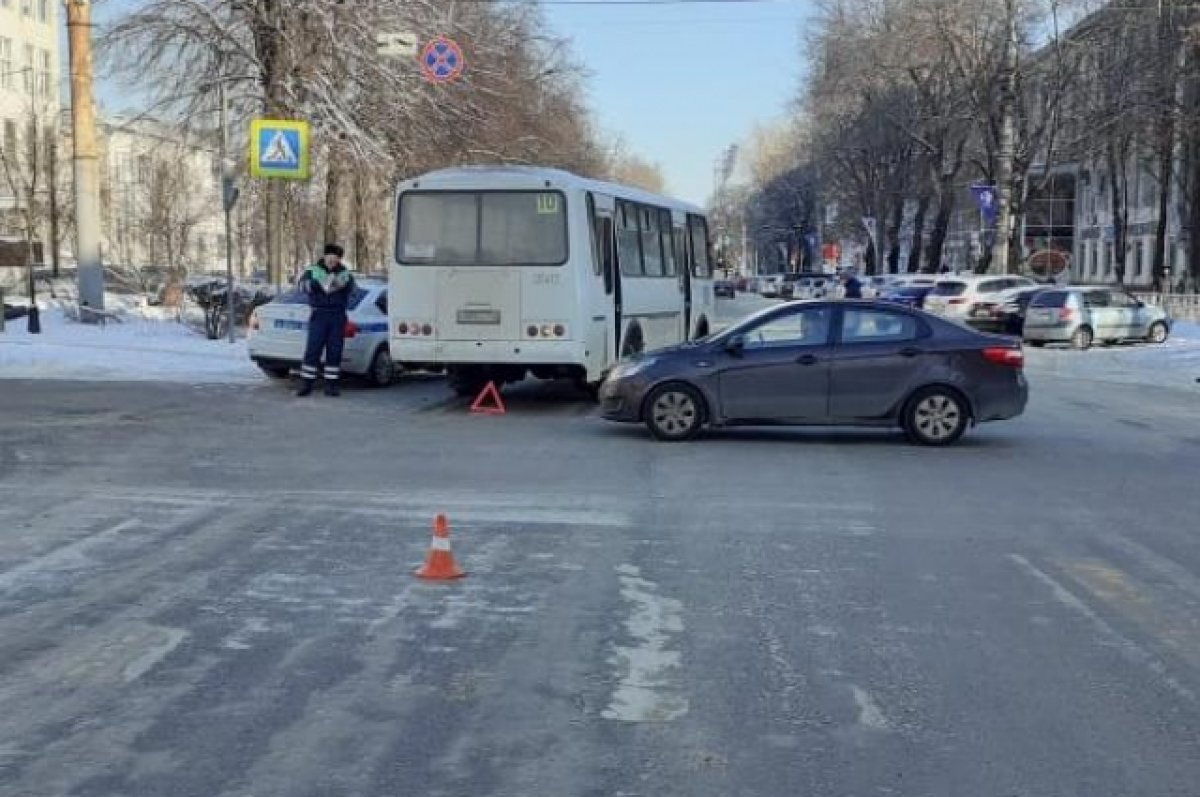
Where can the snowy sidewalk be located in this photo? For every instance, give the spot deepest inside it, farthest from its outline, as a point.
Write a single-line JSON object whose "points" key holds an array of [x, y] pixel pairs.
{"points": [[1176, 363], [142, 348]]}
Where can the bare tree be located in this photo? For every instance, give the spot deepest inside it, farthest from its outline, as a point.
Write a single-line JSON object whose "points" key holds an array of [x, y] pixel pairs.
{"points": [[25, 155]]}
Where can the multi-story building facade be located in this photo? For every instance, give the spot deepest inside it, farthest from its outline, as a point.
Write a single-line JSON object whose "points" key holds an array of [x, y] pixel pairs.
{"points": [[29, 101], [161, 197]]}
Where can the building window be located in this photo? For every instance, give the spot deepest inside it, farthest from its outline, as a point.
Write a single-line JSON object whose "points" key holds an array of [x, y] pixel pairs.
{"points": [[43, 74], [1139, 262], [43, 10], [27, 8], [6, 63]]}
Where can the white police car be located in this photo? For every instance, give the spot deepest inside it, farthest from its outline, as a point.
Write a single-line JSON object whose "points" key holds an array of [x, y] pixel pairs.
{"points": [[279, 330]]}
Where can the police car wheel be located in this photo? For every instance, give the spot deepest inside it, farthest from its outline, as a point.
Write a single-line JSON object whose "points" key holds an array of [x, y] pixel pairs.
{"points": [[383, 370]]}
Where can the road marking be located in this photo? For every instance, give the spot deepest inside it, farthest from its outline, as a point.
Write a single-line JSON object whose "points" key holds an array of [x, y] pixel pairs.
{"points": [[1130, 649], [869, 715], [165, 641], [647, 690], [68, 558]]}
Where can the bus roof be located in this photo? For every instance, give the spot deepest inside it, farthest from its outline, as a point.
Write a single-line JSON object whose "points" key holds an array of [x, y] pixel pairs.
{"points": [[533, 177]]}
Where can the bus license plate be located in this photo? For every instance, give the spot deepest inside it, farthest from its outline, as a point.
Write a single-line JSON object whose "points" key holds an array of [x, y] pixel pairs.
{"points": [[479, 316]]}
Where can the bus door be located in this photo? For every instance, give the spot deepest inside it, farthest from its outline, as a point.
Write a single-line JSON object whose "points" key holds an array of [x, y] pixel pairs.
{"points": [[683, 262], [606, 304]]}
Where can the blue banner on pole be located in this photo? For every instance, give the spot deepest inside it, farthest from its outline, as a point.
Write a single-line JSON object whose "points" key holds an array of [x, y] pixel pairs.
{"points": [[988, 199]]}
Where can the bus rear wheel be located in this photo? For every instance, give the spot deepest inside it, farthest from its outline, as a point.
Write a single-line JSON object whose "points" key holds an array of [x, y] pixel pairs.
{"points": [[467, 382]]}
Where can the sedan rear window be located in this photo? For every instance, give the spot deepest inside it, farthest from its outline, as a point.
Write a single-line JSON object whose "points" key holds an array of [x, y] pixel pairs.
{"points": [[1050, 299], [949, 289]]}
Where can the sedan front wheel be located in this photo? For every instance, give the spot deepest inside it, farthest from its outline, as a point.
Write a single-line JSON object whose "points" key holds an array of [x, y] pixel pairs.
{"points": [[674, 412], [936, 417]]}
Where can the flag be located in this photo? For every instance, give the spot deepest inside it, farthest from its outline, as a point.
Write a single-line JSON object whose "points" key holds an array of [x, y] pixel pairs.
{"points": [[988, 199]]}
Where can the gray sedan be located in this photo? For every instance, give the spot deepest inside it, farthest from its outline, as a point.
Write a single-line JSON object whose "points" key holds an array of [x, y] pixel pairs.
{"points": [[852, 363]]}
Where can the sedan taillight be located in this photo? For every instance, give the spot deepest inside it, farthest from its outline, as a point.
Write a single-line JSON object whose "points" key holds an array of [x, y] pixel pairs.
{"points": [[351, 329], [1003, 355]]}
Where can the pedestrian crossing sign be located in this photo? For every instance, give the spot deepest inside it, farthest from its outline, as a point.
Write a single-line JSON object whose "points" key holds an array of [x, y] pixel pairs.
{"points": [[279, 149]]}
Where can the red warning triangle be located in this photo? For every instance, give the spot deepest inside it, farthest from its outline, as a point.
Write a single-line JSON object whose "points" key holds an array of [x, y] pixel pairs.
{"points": [[492, 395]]}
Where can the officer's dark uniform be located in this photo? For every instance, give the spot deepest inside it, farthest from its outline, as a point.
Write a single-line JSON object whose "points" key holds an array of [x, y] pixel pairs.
{"points": [[328, 291]]}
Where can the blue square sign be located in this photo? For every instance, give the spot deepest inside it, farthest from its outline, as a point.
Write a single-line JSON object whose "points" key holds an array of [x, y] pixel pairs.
{"points": [[279, 148]]}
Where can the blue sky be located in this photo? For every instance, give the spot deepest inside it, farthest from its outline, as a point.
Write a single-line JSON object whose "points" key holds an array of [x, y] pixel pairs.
{"points": [[679, 82]]}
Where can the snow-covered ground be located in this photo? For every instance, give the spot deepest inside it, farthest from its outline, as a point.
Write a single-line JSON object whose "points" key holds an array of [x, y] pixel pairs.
{"points": [[148, 345], [1176, 363]]}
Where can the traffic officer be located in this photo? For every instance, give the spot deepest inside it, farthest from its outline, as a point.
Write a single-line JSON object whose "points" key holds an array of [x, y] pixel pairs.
{"points": [[328, 285]]}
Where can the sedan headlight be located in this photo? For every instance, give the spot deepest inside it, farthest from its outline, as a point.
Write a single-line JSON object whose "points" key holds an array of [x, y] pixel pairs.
{"points": [[631, 368]]}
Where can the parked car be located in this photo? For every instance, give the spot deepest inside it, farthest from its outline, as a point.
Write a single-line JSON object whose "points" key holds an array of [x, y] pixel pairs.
{"points": [[1081, 316], [813, 286], [279, 331], [907, 295], [954, 297], [13, 312], [1006, 314], [724, 288], [848, 363], [769, 286]]}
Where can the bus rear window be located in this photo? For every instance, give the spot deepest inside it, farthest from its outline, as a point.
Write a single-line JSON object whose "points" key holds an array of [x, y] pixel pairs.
{"points": [[482, 228]]}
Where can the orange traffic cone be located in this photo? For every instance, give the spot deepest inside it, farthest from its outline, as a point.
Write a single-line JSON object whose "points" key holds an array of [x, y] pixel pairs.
{"points": [[439, 563]]}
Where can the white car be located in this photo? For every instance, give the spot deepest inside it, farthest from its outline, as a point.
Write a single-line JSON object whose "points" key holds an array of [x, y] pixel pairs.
{"points": [[279, 331], [955, 297]]}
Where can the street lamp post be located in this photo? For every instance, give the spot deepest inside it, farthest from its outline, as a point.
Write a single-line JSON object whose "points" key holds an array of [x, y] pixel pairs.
{"points": [[229, 196]]}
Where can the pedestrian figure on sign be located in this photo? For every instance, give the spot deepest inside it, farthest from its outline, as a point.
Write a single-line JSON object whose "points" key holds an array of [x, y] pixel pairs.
{"points": [[851, 287], [328, 285]]}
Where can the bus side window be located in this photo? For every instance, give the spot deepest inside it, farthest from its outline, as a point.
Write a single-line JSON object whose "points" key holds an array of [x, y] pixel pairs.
{"points": [[670, 254], [603, 230], [683, 256], [699, 235], [629, 240], [602, 245]]}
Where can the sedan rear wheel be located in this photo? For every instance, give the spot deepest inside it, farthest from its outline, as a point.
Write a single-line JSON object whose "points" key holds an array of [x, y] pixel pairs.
{"points": [[674, 412], [1158, 332], [936, 417], [383, 370]]}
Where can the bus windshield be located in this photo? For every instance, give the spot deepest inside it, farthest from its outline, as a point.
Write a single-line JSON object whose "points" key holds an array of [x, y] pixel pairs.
{"points": [[482, 228]]}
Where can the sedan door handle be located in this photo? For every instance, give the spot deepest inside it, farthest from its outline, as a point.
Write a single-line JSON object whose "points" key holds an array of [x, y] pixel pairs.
{"points": [[910, 352], [807, 359]]}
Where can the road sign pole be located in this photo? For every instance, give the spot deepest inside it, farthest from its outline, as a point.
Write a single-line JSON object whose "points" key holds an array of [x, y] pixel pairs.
{"points": [[228, 197]]}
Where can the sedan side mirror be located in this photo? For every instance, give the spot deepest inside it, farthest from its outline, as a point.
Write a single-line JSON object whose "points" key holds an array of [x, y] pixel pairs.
{"points": [[735, 345]]}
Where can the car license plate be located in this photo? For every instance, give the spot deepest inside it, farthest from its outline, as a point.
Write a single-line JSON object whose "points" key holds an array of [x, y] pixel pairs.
{"points": [[283, 323], [479, 316]]}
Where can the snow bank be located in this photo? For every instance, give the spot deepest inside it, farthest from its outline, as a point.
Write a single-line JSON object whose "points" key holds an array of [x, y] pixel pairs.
{"points": [[149, 344], [1176, 363]]}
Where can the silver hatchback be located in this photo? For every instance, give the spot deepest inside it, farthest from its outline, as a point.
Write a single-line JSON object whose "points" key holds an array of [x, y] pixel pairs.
{"points": [[1082, 316]]}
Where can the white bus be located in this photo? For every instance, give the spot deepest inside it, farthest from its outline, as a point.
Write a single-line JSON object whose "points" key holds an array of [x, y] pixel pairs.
{"points": [[499, 272]]}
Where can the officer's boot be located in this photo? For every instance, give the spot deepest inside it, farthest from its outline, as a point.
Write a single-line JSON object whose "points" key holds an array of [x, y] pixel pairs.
{"points": [[306, 387]]}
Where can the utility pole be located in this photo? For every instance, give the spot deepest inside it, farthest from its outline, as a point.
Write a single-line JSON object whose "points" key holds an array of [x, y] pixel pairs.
{"points": [[229, 197], [1008, 135], [87, 175]]}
